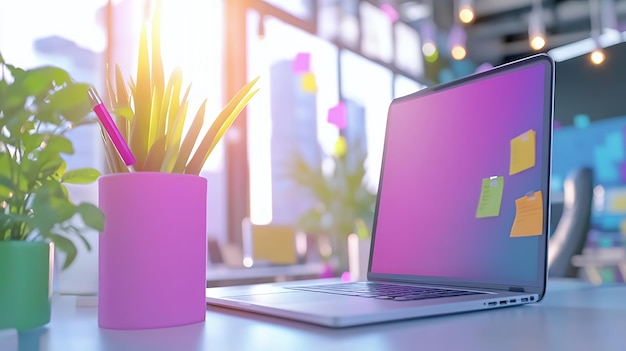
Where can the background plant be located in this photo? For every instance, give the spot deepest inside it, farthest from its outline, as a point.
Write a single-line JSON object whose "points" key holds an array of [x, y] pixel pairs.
{"points": [[342, 202], [151, 114], [38, 107]]}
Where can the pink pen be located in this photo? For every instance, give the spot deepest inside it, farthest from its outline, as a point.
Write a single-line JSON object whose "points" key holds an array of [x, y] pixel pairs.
{"points": [[110, 127]]}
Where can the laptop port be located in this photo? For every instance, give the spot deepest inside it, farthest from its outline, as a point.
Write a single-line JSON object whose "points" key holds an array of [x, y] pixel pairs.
{"points": [[524, 299], [503, 302], [492, 303], [532, 298], [513, 300]]}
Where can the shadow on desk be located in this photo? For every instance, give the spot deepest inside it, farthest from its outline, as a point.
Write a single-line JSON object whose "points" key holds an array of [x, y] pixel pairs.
{"points": [[188, 337]]}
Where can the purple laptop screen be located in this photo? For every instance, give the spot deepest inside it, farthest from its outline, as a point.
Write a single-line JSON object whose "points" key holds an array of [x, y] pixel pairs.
{"points": [[464, 181]]}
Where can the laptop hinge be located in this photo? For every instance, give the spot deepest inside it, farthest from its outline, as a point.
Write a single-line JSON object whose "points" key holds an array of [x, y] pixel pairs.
{"points": [[516, 289]]}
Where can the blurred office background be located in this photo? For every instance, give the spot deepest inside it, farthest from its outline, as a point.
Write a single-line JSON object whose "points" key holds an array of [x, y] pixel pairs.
{"points": [[329, 69]]}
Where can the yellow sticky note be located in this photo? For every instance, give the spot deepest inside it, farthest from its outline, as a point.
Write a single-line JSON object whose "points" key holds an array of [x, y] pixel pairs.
{"points": [[308, 83], [522, 152], [275, 244], [528, 216], [341, 146], [490, 197], [619, 203]]}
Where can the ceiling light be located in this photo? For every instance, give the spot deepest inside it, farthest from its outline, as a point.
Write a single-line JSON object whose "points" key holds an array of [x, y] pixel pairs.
{"points": [[537, 42], [429, 49], [458, 53], [597, 56], [466, 11], [536, 29], [585, 46], [456, 42], [428, 32], [595, 15]]}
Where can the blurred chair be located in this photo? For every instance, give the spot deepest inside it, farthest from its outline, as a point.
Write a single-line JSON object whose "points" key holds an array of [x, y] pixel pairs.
{"points": [[570, 234]]}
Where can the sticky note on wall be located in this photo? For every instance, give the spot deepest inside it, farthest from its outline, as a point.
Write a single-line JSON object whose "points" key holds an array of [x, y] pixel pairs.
{"points": [[338, 115], [490, 197], [528, 216], [302, 63], [523, 152], [308, 83]]}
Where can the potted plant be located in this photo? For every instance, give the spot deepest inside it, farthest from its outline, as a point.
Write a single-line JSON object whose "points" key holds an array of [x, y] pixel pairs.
{"points": [[343, 205], [156, 210], [38, 107]]}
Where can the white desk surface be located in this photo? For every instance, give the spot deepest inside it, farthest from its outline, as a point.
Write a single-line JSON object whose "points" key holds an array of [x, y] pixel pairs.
{"points": [[573, 316]]}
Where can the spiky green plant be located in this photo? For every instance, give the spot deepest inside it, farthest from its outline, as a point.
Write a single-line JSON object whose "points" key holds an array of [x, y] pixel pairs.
{"points": [[151, 114]]}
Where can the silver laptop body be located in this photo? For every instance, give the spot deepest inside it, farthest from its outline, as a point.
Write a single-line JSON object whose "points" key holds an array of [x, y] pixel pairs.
{"points": [[463, 206]]}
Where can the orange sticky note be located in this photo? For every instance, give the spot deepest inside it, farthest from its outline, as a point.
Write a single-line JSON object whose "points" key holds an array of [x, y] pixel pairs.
{"points": [[522, 152], [308, 83], [528, 216]]}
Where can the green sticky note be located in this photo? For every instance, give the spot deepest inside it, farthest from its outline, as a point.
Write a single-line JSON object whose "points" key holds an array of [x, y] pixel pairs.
{"points": [[490, 197]]}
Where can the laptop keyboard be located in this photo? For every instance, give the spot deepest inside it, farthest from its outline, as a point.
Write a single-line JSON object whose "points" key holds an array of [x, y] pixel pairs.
{"points": [[385, 291]]}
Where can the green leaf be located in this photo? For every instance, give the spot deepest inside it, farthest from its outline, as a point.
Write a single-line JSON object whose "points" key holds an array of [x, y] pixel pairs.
{"points": [[190, 140], [143, 102], [174, 136], [47, 115], [6, 187], [32, 141], [49, 207], [176, 84], [16, 121], [155, 116], [92, 216], [69, 96], [12, 171], [83, 239], [17, 73], [125, 112], [58, 144], [120, 85], [229, 121], [209, 140], [81, 176], [60, 171], [40, 80], [78, 114], [65, 245], [49, 168], [85, 121], [155, 157], [122, 102], [4, 87]]}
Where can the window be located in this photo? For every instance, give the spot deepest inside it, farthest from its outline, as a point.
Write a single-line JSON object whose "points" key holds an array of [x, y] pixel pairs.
{"points": [[363, 74], [286, 114]]}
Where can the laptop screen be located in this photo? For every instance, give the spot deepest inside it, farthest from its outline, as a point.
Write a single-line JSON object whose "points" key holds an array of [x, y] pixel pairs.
{"points": [[464, 184]]}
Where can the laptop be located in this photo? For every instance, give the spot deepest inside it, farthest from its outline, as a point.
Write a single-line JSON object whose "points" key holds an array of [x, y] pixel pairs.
{"points": [[462, 214]]}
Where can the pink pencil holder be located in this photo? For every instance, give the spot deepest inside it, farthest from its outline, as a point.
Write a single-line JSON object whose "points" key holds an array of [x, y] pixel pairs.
{"points": [[152, 252]]}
